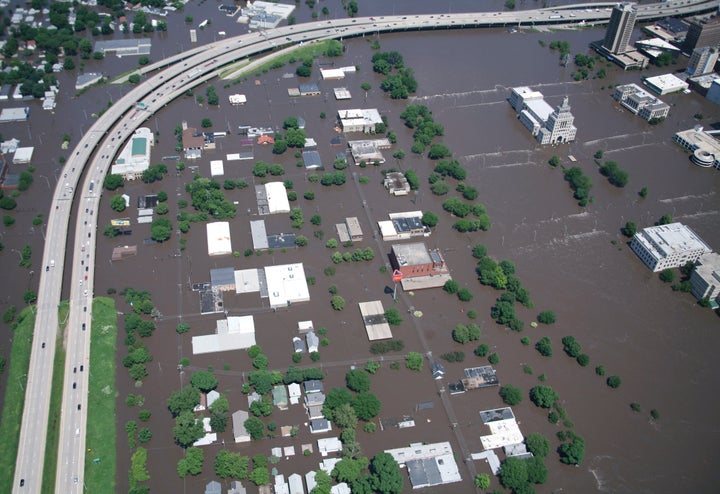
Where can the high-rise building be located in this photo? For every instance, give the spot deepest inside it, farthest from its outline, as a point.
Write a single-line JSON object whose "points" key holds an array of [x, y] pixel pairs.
{"points": [[702, 60], [702, 32], [620, 27], [547, 125]]}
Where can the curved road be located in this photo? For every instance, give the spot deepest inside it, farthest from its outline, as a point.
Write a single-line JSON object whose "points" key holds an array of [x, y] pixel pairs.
{"points": [[95, 153]]}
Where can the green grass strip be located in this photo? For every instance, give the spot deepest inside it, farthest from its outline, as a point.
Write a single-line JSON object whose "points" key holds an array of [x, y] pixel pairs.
{"points": [[53, 431], [100, 438], [15, 395]]}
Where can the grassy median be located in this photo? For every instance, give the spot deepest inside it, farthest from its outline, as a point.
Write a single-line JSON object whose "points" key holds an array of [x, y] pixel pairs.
{"points": [[100, 455], [15, 395], [53, 431]]}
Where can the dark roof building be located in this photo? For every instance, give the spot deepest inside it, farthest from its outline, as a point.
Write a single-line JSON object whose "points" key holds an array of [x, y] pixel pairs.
{"points": [[702, 32]]}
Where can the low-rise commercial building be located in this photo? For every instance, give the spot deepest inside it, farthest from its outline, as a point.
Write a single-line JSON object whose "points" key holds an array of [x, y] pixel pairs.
{"points": [[134, 158], [640, 102], [402, 226], [668, 246], [705, 148], [396, 184], [218, 238], [427, 464], [665, 84], [358, 120], [705, 278]]}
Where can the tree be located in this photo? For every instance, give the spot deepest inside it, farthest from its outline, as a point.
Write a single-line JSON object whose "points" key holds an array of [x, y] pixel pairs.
{"points": [[113, 181], [117, 203], [464, 295], [543, 396], [185, 399], [430, 219], [572, 453], [393, 317], [229, 465], [138, 466], [366, 406], [182, 328], [536, 470], [348, 470], [204, 381], [451, 286], [614, 381], [667, 275], [133, 79], [337, 302], [187, 430], [192, 463], [482, 481], [206, 123], [414, 361], [629, 230], [547, 317], [513, 474], [345, 416], [260, 474], [161, 229], [357, 380], [385, 474], [511, 395], [571, 346], [30, 297], [554, 161], [255, 428], [543, 347], [219, 411], [538, 444], [262, 407], [665, 219]]}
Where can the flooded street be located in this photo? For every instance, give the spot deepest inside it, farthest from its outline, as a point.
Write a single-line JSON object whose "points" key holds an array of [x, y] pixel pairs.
{"points": [[573, 260]]}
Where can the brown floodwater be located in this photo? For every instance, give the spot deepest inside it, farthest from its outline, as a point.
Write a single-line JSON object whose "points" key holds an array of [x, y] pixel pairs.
{"points": [[573, 260]]}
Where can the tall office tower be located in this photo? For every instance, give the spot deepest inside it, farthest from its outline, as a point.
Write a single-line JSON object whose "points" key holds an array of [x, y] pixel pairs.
{"points": [[702, 61], [702, 32], [622, 22]]}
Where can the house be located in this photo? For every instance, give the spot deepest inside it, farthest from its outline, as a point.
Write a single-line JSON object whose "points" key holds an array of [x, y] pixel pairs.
{"points": [[239, 432], [329, 445], [298, 345], [318, 426], [280, 397], [253, 397], [211, 397], [314, 399], [313, 386], [296, 484], [281, 487], [213, 487], [438, 370], [310, 89], [265, 139], [312, 343], [294, 393], [315, 412], [236, 487]]}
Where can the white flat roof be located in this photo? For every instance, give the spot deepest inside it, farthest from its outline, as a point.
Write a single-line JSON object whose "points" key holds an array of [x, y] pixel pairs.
{"points": [[539, 108], [23, 155], [286, 284], [218, 238], [373, 314], [665, 240], [247, 281], [667, 83], [216, 168], [387, 228], [233, 333], [277, 198]]}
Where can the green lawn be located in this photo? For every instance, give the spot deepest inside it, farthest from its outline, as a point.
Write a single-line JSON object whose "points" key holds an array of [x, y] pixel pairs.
{"points": [[15, 396], [53, 432], [100, 476]]}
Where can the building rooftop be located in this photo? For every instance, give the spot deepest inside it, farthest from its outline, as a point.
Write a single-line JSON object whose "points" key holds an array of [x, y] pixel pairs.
{"points": [[373, 315], [218, 238], [411, 254], [665, 240]]}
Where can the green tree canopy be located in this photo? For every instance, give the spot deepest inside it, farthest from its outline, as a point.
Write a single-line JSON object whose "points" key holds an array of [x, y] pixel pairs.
{"points": [[229, 465], [511, 395], [184, 400], [366, 405], [385, 474], [357, 380], [187, 430]]}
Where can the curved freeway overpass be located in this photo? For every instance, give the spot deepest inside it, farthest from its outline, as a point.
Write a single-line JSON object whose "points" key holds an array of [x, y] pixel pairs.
{"points": [[95, 153]]}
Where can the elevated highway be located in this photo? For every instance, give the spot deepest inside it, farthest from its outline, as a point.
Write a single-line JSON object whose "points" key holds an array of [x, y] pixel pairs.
{"points": [[93, 156]]}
